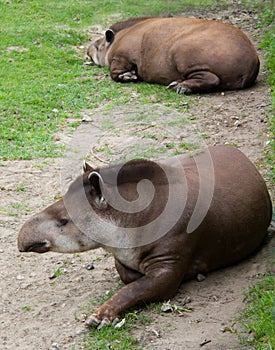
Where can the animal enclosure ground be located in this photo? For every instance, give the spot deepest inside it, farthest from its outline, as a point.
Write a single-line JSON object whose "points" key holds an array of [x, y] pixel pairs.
{"points": [[41, 312]]}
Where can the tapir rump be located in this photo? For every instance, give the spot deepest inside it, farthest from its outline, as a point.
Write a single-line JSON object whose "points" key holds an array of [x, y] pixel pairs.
{"points": [[186, 54], [186, 215]]}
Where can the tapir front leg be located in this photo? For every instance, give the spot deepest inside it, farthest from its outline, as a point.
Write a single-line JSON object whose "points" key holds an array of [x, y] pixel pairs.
{"points": [[156, 286], [127, 275], [122, 70]]}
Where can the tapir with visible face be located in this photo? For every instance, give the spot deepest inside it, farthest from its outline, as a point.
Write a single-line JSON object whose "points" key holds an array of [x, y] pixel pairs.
{"points": [[187, 54], [164, 222]]}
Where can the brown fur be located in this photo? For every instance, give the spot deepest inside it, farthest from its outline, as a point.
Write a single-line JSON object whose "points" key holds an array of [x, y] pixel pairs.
{"points": [[127, 23]]}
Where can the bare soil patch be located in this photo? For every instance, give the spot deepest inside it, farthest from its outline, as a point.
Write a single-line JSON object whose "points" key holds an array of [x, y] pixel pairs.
{"points": [[37, 312]]}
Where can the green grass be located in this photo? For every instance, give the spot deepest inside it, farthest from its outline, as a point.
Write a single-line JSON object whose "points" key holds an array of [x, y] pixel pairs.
{"points": [[43, 82], [120, 338], [268, 44], [116, 338], [266, 22], [26, 308], [258, 319]]}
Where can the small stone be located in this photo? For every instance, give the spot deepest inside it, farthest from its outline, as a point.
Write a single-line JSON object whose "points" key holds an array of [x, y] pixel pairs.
{"points": [[204, 342], [54, 346], [156, 333], [120, 324], [20, 277], [86, 119], [79, 279], [200, 277], [166, 307], [83, 317], [186, 300], [88, 63], [89, 266]]}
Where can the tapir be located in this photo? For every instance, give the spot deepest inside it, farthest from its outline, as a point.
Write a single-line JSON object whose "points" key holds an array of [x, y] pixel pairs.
{"points": [[164, 222], [186, 54]]}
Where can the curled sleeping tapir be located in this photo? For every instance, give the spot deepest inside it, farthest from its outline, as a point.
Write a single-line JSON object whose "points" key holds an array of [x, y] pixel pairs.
{"points": [[186, 54], [164, 222]]}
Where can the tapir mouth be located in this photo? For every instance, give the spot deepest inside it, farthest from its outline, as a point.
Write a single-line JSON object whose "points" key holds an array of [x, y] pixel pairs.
{"points": [[39, 247]]}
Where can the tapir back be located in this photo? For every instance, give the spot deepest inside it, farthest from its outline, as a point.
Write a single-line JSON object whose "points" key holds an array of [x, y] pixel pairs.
{"points": [[238, 217]]}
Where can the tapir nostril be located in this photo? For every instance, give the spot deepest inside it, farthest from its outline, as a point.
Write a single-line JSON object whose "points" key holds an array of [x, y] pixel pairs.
{"points": [[39, 247]]}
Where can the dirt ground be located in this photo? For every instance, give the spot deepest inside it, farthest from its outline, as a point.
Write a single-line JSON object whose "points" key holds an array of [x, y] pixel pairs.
{"points": [[38, 312]]}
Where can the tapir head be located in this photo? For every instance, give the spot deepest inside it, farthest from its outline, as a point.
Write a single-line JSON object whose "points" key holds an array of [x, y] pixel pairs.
{"points": [[53, 229], [98, 50], [97, 208]]}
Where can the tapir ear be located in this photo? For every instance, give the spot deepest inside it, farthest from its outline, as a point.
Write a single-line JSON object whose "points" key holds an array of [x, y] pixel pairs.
{"points": [[98, 184], [86, 167], [109, 35]]}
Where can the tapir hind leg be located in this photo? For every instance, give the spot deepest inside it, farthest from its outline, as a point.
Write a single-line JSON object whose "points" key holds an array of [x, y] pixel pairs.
{"points": [[196, 82], [157, 285]]}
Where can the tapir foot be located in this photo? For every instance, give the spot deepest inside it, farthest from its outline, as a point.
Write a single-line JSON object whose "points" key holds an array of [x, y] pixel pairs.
{"points": [[94, 322], [128, 76], [104, 316], [179, 87]]}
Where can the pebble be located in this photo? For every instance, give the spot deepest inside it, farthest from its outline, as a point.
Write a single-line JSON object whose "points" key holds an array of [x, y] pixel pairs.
{"points": [[237, 123], [166, 307], [200, 277], [20, 277], [186, 300], [89, 266], [54, 346], [120, 324], [87, 119]]}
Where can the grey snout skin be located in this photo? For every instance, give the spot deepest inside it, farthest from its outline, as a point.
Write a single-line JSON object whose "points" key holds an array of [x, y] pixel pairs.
{"points": [[29, 241]]}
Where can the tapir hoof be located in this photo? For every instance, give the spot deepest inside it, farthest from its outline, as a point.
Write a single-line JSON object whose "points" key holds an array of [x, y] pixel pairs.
{"points": [[128, 76], [94, 322], [178, 87]]}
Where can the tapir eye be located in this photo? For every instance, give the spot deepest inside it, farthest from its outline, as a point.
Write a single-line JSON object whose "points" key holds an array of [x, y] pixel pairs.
{"points": [[62, 222]]}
